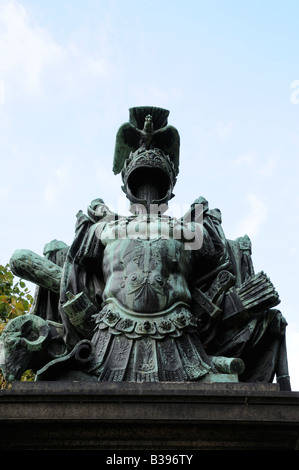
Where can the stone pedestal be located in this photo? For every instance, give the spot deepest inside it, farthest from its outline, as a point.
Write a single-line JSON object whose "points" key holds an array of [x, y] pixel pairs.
{"points": [[148, 416]]}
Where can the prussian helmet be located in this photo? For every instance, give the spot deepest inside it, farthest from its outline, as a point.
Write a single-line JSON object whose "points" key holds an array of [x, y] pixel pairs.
{"points": [[147, 149]]}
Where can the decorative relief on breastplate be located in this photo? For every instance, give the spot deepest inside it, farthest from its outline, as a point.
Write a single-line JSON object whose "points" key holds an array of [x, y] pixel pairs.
{"points": [[145, 286]]}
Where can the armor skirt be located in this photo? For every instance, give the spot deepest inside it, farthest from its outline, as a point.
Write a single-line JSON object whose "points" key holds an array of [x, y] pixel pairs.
{"points": [[138, 347]]}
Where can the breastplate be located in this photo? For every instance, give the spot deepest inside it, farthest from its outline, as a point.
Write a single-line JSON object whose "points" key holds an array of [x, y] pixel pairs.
{"points": [[143, 281]]}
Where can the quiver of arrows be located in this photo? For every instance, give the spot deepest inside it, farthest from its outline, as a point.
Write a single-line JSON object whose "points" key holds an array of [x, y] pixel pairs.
{"points": [[258, 293]]}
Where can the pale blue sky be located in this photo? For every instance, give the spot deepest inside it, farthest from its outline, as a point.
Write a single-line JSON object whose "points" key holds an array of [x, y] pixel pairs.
{"points": [[69, 72]]}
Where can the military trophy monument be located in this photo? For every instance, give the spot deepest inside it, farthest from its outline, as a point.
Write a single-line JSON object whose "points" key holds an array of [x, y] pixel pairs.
{"points": [[147, 299]]}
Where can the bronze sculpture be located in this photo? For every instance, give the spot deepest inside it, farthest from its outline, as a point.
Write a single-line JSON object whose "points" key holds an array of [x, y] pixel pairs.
{"points": [[148, 297]]}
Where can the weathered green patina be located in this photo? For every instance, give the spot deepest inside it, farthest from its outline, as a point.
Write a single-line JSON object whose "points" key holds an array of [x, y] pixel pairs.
{"points": [[148, 297]]}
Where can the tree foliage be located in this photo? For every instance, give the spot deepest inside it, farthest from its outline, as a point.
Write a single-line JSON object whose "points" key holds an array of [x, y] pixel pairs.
{"points": [[15, 300]]}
